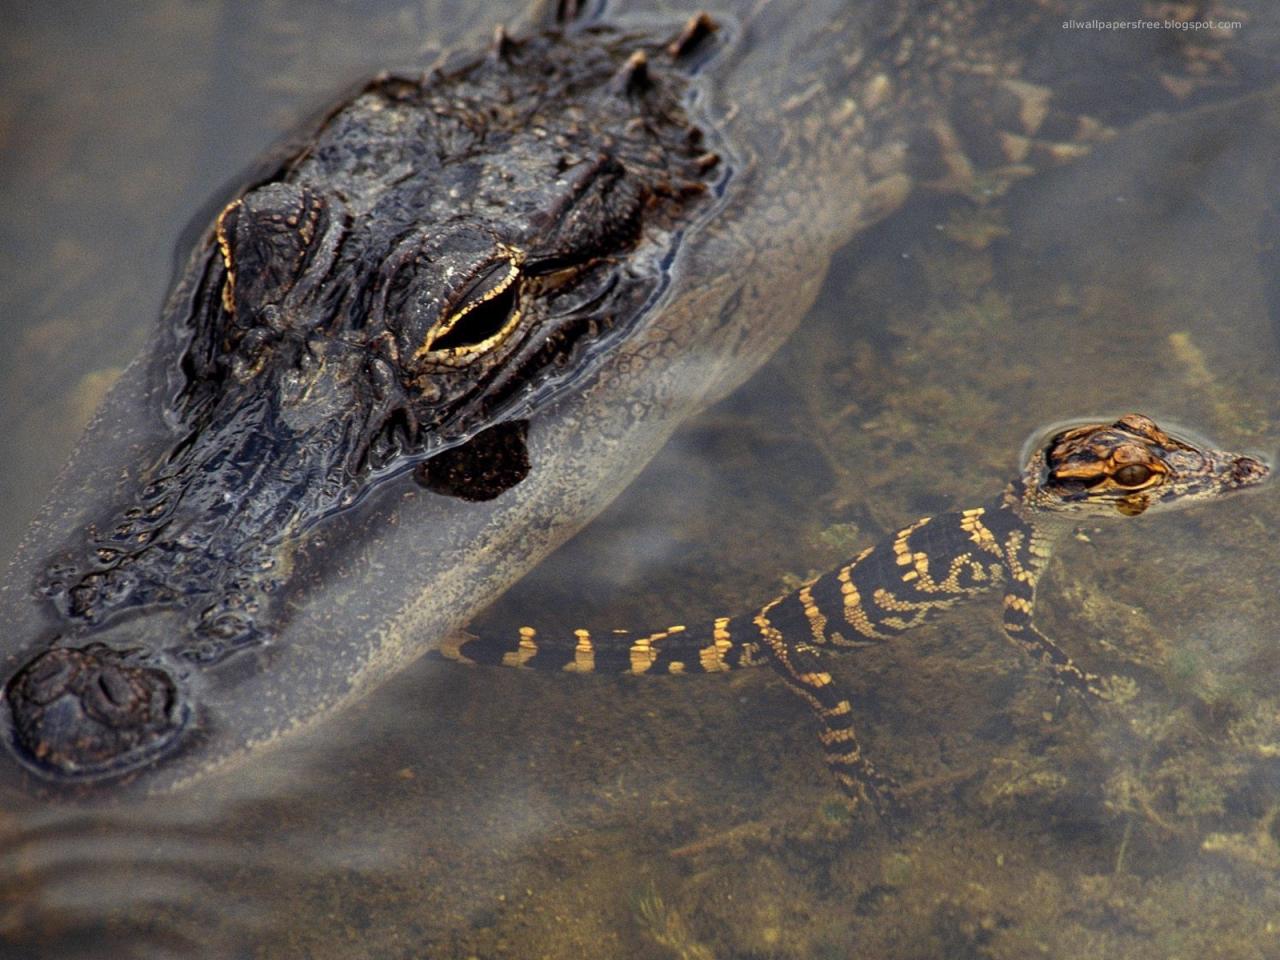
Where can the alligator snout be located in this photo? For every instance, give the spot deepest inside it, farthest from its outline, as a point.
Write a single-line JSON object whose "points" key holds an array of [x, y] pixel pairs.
{"points": [[81, 712]]}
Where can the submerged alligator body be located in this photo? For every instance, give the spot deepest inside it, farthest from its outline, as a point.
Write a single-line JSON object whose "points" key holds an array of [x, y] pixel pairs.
{"points": [[448, 325], [1074, 473]]}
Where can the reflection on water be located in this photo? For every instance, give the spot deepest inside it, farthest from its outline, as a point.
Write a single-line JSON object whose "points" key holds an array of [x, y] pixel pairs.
{"points": [[462, 813]]}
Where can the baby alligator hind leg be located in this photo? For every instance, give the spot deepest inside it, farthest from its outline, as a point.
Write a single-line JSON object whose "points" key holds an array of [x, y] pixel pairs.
{"points": [[857, 776]]}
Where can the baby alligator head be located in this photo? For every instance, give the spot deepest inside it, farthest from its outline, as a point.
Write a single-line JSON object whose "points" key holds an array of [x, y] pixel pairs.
{"points": [[1128, 467], [443, 257]]}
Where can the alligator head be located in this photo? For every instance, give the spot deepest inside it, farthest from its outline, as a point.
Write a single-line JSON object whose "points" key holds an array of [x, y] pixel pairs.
{"points": [[440, 259]]}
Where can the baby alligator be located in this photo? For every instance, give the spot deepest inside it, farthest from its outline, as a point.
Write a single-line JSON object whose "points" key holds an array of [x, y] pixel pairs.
{"points": [[1088, 470]]}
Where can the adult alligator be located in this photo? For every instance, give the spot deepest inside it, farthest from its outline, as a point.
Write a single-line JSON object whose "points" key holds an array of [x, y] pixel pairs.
{"points": [[434, 336]]}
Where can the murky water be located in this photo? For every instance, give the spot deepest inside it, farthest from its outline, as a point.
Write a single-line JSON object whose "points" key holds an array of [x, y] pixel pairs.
{"points": [[489, 813]]}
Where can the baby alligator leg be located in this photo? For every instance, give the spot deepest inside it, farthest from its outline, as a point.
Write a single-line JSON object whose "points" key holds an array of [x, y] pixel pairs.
{"points": [[1025, 567], [800, 666]]}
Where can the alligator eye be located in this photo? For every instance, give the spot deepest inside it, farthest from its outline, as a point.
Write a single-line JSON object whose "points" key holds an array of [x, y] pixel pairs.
{"points": [[479, 322], [1132, 475], [487, 311]]}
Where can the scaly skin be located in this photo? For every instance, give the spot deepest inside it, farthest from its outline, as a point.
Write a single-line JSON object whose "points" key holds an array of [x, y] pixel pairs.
{"points": [[599, 255]]}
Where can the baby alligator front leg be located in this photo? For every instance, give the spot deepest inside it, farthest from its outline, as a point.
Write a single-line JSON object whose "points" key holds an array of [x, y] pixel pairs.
{"points": [[1025, 561]]}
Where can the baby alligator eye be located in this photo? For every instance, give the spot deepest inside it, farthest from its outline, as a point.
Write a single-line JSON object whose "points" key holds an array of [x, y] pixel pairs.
{"points": [[1132, 475], [486, 313]]}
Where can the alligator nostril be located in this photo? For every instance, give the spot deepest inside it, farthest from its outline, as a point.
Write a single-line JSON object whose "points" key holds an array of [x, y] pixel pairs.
{"points": [[114, 688], [115, 692], [47, 679], [88, 711]]}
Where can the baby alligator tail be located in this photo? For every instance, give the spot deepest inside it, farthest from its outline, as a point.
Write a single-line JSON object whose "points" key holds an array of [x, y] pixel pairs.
{"points": [[885, 590]]}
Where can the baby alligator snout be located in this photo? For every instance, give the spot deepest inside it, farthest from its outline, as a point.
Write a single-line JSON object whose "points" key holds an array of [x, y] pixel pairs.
{"points": [[1246, 471], [80, 712]]}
